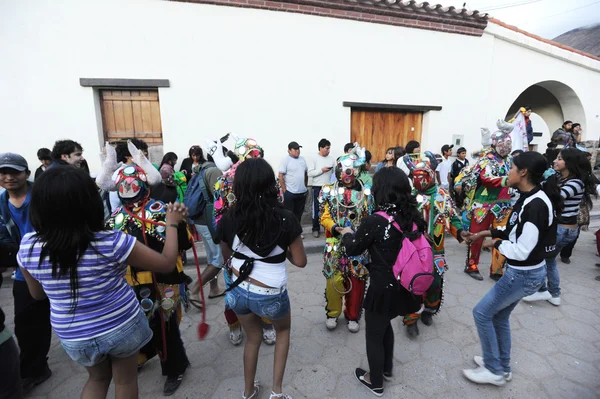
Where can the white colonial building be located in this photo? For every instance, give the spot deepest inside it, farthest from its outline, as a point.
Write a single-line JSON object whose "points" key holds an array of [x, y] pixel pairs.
{"points": [[381, 72]]}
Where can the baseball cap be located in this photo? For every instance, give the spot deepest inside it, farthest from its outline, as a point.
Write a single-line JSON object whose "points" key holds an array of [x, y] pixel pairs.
{"points": [[447, 147], [293, 146], [13, 161]]}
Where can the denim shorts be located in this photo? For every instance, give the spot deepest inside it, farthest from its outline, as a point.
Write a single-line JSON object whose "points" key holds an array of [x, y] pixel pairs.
{"points": [[125, 341], [243, 302]]}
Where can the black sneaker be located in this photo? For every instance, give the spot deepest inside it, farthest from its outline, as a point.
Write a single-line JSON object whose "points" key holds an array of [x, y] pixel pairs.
{"points": [[566, 261], [388, 376], [495, 277], [360, 376], [412, 330], [475, 274], [172, 384], [427, 318], [31, 382]]}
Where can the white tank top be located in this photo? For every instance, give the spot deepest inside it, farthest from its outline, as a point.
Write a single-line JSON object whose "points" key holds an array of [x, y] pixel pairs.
{"points": [[270, 274]]}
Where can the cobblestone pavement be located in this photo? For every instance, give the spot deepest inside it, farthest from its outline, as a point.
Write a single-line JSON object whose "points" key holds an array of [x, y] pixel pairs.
{"points": [[556, 350]]}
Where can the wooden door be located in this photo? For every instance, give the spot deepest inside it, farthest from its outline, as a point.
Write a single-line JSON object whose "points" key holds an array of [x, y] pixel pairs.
{"points": [[131, 114], [379, 130]]}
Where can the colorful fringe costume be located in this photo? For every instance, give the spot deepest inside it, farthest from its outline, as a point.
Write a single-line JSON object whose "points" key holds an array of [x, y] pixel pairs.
{"points": [[487, 198], [439, 212], [344, 204]]}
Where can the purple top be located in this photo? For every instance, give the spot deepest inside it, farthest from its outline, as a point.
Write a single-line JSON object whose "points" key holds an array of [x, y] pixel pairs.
{"points": [[104, 299]]}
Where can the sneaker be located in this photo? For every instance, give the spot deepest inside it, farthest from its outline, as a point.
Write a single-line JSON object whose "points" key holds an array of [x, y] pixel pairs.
{"points": [[353, 326], [427, 318], [236, 336], [269, 336], [538, 296], [481, 375], [495, 277], [475, 274], [331, 323], [172, 384], [255, 393], [388, 376], [316, 234], [31, 382], [412, 330], [13, 275], [479, 361], [360, 376], [565, 260], [555, 300]]}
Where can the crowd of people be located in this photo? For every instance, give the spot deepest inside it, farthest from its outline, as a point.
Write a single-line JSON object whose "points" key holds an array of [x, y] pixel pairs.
{"points": [[111, 282]]}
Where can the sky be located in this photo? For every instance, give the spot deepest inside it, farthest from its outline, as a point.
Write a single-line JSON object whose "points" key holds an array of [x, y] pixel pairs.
{"points": [[545, 18]]}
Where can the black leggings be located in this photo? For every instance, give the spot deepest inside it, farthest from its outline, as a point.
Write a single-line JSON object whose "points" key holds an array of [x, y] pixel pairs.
{"points": [[380, 346]]}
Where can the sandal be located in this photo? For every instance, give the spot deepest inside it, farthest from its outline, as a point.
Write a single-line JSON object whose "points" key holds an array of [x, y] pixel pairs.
{"points": [[254, 393], [279, 395]]}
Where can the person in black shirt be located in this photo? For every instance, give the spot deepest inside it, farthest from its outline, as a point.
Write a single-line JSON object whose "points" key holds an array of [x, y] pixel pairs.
{"points": [[457, 166], [528, 239], [386, 298], [44, 157]]}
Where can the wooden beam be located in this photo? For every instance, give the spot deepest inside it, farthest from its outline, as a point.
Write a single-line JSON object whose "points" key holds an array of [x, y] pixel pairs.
{"points": [[392, 107], [129, 83]]}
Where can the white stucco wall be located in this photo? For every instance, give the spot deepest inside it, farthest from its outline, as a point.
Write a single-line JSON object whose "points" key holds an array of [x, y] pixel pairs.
{"points": [[273, 76]]}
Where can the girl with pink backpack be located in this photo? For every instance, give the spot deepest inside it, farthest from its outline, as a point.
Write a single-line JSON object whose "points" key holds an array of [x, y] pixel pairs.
{"points": [[386, 297]]}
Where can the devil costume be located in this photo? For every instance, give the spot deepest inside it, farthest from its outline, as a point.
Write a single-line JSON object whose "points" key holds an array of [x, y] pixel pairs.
{"points": [[487, 198], [161, 296], [344, 203], [224, 200], [438, 210]]}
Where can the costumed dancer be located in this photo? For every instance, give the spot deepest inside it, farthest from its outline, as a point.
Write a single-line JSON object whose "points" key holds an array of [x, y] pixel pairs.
{"points": [[344, 204], [161, 296], [224, 200], [487, 198], [439, 212]]}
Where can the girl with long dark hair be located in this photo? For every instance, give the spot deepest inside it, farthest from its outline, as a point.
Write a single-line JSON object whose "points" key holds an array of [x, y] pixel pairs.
{"points": [[191, 165], [385, 298], [80, 267], [526, 242], [258, 235], [576, 185], [389, 160]]}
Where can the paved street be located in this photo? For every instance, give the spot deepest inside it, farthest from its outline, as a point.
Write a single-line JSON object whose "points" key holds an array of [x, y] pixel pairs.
{"points": [[556, 350]]}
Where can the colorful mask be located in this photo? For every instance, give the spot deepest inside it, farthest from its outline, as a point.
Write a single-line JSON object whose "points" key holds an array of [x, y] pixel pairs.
{"points": [[422, 170], [501, 143], [348, 165], [132, 184], [247, 148]]}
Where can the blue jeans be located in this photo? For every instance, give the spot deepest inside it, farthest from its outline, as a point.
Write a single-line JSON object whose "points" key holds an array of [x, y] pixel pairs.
{"points": [[564, 237], [213, 251], [123, 342], [493, 311]]}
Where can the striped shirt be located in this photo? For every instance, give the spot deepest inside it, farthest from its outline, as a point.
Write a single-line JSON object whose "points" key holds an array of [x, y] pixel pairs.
{"points": [[105, 300], [571, 191]]}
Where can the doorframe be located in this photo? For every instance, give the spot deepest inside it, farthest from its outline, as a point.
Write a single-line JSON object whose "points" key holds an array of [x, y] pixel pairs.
{"points": [[391, 107]]}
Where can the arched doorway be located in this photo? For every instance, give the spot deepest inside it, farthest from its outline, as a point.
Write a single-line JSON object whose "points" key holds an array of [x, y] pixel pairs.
{"points": [[552, 103]]}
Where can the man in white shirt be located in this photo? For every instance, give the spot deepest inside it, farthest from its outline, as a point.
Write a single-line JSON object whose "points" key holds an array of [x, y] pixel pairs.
{"points": [[293, 178], [443, 169], [320, 171]]}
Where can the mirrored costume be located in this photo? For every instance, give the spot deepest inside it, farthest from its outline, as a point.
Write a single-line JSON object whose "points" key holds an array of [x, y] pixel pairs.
{"points": [[487, 197], [161, 296], [437, 208], [344, 204]]}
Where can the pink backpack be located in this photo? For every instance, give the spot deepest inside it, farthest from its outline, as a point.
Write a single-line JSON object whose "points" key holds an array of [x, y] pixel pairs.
{"points": [[414, 265]]}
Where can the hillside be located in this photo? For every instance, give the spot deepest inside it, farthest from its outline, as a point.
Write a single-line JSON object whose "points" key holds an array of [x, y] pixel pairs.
{"points": [[585, 39]]}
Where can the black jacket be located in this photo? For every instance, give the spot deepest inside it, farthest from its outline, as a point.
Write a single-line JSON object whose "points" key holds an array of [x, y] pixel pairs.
{"points": [[530, 235]]}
